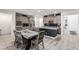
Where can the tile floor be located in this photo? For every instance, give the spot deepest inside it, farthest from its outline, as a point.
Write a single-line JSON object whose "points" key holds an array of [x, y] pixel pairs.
{"points": [[6, 42], [66, 42]]}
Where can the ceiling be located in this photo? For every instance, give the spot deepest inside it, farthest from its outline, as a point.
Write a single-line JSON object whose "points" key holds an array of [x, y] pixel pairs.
{"points": [[41, 12]]}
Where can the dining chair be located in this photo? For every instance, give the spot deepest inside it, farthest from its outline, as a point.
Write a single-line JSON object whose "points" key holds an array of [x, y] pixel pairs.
{"points": [[18, 39], [35, 29], [38, 40]]}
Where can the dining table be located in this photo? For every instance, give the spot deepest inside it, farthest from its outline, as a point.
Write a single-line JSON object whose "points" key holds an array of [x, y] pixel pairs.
{"points": [[28, 35]]}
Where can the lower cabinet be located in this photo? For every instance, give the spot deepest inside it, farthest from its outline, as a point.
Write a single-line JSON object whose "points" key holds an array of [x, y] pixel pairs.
{"points": [[50, 32]]}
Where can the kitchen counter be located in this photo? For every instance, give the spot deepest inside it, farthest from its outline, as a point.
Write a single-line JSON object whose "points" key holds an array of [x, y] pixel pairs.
{"points": [[49, 27], [50, 31]]}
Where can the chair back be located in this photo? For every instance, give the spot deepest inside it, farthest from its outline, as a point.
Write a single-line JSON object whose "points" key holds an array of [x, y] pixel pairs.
{"points": [[41, 35], [18, 36], [40, 39]]}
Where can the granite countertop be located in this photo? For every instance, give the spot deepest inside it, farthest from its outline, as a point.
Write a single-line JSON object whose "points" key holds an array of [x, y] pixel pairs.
{"points": [[49, 27]]}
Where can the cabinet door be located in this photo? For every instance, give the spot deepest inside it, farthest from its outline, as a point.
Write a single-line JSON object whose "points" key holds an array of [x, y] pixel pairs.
{"points": [[24, 19]]}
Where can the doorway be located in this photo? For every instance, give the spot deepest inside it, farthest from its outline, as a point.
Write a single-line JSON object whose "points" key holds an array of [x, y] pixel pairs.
{"points": [[71, 24]]}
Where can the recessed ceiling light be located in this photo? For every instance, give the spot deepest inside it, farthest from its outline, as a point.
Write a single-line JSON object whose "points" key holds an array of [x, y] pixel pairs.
{"points": [[39, 11]]}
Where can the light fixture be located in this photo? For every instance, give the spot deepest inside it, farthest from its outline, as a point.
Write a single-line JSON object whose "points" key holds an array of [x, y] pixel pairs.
{"points": [[39, 11]]}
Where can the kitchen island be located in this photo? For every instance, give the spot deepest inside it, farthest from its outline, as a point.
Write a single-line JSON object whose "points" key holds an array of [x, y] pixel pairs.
{"points": [[50, 30]]}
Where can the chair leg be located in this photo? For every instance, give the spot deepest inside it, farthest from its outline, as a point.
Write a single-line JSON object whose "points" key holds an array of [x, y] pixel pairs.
{"points": [[15, 42], [31, 45], [37, 45], [43, 44]]}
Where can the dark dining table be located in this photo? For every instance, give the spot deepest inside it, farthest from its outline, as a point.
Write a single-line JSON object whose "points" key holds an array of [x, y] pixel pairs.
{"points": [[28, 35]]}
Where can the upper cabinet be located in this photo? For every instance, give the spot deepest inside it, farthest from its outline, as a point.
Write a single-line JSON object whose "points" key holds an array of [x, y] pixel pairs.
{"points": [[56, 18], [22, 18], [24, 21]]}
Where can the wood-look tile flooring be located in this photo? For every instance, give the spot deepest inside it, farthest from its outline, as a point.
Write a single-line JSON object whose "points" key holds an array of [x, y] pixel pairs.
{"points": [[7, 42], [64, 42]]}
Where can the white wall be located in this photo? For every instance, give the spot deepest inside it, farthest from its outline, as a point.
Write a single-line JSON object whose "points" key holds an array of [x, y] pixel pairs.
{"points": [[11, 19], [5, 23], [13, 24], [73, 22], [38, 21]]}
